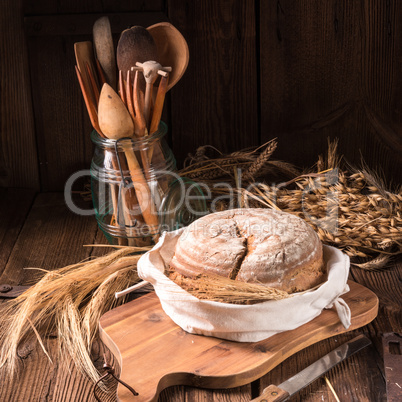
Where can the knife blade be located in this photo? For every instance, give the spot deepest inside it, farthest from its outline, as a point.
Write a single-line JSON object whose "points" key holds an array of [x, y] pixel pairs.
{"points": [[305, 377]]}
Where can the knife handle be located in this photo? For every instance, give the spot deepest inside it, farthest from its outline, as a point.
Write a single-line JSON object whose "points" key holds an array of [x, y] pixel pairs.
{"points": [[272, 394]]}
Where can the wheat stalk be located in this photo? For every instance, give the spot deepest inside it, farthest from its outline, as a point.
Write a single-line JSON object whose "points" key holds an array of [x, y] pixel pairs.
{"points": [[225, 290], [255, 168]]}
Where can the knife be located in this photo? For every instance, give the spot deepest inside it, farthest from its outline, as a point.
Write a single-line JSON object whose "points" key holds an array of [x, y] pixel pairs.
{"points": [[305, 377]]}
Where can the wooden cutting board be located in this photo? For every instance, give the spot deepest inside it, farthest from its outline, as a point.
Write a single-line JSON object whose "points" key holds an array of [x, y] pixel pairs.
{"points": [[154, 353]]}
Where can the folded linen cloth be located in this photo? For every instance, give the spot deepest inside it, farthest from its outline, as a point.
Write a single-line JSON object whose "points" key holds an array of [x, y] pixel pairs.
{"points": [[244, 323]]}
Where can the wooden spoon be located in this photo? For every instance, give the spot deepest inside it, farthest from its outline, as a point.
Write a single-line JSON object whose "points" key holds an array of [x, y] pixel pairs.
{"points": [[172, 50], [114, 119], [135, 45], [104, 48]]}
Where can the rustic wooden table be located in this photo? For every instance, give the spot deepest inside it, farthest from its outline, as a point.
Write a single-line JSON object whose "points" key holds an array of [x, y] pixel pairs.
{"points": [[40, 231]]}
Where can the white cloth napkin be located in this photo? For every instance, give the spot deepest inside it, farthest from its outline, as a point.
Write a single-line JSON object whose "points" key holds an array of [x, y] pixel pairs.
{"points": [[244, 323]]}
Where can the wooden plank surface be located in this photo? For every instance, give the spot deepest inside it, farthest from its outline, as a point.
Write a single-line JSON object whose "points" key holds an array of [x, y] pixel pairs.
{"points": [[258, 70], [15, 205], [49, 7], [52, 237], [63, 129]]}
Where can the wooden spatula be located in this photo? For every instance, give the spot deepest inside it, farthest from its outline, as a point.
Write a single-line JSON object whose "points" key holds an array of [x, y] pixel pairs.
{"points": [[84, 55], [104, 48]]}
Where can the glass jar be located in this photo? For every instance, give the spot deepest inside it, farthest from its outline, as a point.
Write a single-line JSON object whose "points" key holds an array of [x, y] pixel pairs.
{"points": [[136, 191]]}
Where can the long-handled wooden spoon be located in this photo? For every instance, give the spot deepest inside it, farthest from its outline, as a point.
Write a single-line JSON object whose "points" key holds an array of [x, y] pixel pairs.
{"points": [[89, 101], [172, 49]]}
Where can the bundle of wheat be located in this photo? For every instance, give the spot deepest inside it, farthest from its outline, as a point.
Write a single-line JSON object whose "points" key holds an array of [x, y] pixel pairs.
{"points": [[68, 303], [350, 209]]}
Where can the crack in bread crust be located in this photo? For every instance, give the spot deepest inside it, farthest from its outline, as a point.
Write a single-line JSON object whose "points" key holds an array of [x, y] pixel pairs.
{"points": [[237, 267]]}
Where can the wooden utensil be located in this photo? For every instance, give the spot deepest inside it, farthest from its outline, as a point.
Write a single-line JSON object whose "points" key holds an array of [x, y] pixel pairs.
{"points": [[151, 69], [90, 93], [104, 49], [101, 75], [156, 117], [135, 106], [116, 123], [154, 353], [84, 55], [158, 188], [89, 102], [172, 50], [159, 102], [114, 119], [138, 105], [135, 44], [93, 83]]}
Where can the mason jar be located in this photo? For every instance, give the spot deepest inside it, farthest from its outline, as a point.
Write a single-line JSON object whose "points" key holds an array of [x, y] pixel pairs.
{"points": [[136, 190]]}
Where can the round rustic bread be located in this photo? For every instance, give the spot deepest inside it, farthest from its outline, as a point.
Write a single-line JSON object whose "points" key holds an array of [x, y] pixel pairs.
{"points": [[260, 245]]}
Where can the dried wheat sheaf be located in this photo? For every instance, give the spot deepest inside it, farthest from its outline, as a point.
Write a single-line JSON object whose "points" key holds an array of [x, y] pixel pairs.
{"points": [[67, 303], [349, 208]]}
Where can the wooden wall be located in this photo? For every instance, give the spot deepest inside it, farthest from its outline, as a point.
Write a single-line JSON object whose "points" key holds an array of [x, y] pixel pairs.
{"points": [[301, 71]]}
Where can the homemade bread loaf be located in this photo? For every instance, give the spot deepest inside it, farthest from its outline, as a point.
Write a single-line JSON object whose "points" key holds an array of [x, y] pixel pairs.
{"points": [[260, 245]]}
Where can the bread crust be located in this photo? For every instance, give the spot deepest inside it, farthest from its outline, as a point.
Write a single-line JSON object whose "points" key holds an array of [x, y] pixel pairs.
{"points": [[260, 245]]}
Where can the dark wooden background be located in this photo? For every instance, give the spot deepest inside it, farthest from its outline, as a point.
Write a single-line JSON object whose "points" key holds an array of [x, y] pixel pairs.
{"points": [[301, 71]]}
